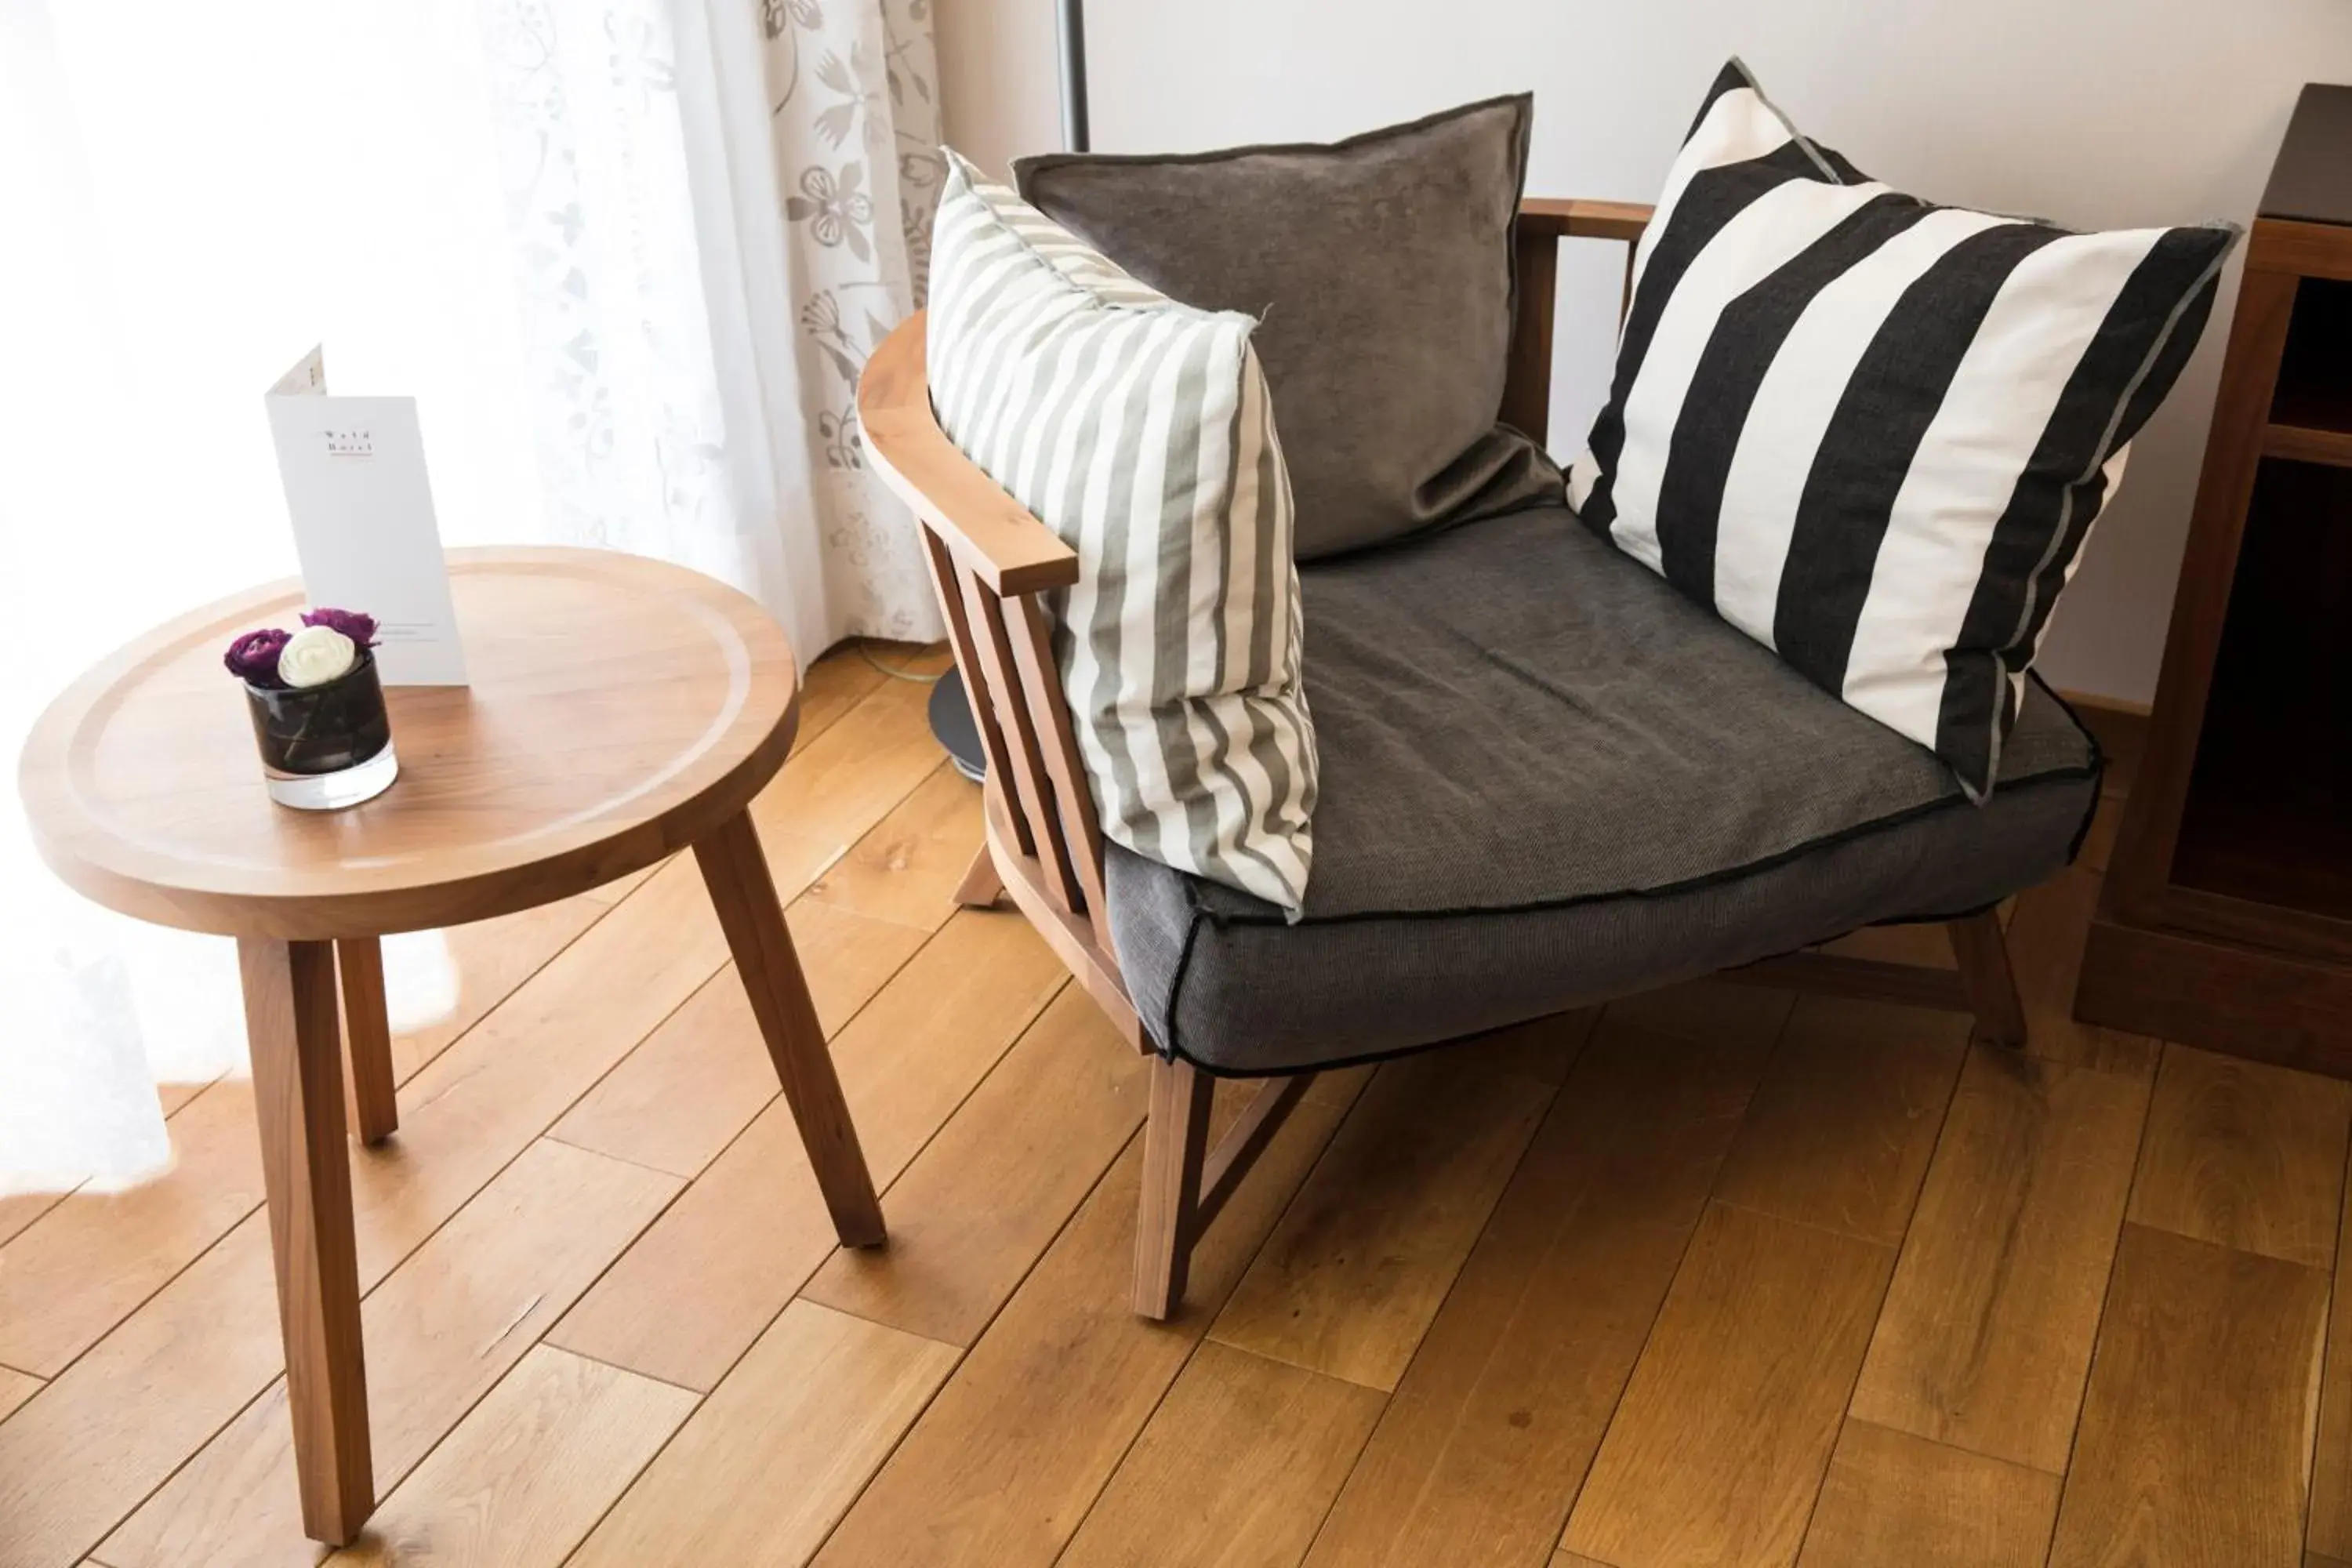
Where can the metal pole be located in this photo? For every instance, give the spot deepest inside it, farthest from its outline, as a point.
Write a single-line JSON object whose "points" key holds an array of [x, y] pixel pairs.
{"points": [[1072, 16]]}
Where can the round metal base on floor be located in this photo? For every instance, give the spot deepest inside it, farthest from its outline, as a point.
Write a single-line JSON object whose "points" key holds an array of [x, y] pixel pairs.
{"points": [[953, 726]]}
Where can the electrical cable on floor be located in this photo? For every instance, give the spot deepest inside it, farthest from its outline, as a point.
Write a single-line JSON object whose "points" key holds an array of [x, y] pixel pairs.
{"points": [[865, 652]]}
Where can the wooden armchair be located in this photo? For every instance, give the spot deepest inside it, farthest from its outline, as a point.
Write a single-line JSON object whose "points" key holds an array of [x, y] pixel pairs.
{"points": [[991, 559]]}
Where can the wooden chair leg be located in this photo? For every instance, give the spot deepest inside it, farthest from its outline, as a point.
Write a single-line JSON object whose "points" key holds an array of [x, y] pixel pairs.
{"points": [[1175, 1146], [1982, 951], [980, 887], [298, 1093], [744, 894], [367, 1038]]}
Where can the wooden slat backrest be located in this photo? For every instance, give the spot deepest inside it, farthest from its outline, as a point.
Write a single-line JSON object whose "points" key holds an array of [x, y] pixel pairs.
{"points": [[949, 582], [1033, 657], [1028, 782]]}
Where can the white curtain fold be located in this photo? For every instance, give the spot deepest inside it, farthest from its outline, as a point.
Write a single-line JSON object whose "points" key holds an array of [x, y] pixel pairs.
{"points": [[709, 205], [629, 256]]}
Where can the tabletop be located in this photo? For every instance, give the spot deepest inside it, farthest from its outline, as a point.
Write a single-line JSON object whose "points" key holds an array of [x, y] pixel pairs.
{"points": [[620, 709]]}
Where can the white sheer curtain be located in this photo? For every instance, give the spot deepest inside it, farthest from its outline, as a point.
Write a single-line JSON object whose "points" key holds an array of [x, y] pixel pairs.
{"points": [[628, 256]]}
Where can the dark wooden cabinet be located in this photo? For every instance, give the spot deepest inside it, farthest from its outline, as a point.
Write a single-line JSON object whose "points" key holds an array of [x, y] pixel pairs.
{"points": [[2227, 918]]}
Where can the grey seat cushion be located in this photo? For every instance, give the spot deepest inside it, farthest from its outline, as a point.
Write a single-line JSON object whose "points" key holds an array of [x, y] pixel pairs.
{"points": [[1548, 779], [1380, 268]]}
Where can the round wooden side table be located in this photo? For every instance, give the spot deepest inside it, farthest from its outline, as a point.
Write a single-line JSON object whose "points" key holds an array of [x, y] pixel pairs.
{"points": [[621, 708]]}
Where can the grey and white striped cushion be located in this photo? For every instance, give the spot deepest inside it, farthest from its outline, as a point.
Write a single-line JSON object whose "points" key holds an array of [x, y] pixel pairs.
{"points": [[1873, 433], [1139, 429]]}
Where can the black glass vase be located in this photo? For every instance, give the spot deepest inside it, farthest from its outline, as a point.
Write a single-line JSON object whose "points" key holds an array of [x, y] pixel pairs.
{"points": [[325, 747]]}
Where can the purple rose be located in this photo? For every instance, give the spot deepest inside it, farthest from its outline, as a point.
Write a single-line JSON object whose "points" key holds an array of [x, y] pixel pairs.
{"points": [[254, 657], [359, 628]]}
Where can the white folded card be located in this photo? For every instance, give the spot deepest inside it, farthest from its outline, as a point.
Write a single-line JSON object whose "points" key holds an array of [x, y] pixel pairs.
{"points": [[363, 527]]}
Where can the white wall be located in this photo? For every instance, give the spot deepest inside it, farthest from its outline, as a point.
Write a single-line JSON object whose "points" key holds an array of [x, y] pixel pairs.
{"points": [[2092, 113]]}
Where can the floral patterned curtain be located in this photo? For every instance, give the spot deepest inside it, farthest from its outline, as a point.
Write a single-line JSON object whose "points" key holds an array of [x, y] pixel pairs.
{"points": [[854, 125], [720, 207]]}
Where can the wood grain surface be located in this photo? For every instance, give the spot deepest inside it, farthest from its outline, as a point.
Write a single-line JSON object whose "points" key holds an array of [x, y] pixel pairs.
{"points": [[1986, 1334], [1637, 1322], [2197, 1424], [2245, 1154], [620, 709], [1890, 1498], [1717, 1448], [532, 1469], [811, 1412], [1346, 1287], [1234, 1469]]}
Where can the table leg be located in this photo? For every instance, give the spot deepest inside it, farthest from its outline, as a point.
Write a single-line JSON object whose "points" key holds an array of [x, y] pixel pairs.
{"points": [[367, 1035], [736, 873], [289, 1018]]}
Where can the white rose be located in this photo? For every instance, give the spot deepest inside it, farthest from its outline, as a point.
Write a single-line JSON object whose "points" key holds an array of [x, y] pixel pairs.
{"points": [[316, 655]]}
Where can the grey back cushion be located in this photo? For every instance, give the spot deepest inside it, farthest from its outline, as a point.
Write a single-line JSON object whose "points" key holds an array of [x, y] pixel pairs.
{"points": [[1379, 269]]}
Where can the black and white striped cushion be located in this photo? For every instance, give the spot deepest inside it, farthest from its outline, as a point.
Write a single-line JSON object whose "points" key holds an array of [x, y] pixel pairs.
{"points": [[1139, 430], [1873, 433]]}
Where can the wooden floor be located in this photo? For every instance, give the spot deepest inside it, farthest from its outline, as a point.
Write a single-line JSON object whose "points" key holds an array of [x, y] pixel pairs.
{"points": [[1704, 1278]]}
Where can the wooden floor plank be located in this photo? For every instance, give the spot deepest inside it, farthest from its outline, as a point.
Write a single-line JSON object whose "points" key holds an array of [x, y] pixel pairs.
{"points": [[170, 1097], [2330, 1531], [1985, 1337], [83, 1451], [97, 1256], [1710, 1010], [1487, 1436], [844, 781], [203, 1346], [87, 1263], [2046, 934], [18, 1210], [919, 662], [831, 686], [1890, 1498], [1233, 1470], [1843, 1124], [999, 1470], [490, 958], [90, 1455], [774, 1458], [514, 1074], [847, 957], [440, 1331], [15, 1387], [1718, 1447], [1350, 1279], [2244, 1154], [698, 1079], [2195, 1432], [973, 1212], [1072, 1430], [1544, 1049], [906, 868], [686, 1089], [530, 1472], [751, 1229]]}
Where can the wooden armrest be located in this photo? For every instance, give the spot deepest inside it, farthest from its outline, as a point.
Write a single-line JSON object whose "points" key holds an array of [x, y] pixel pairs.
{"points": [[1579, 219], [992, 535]]}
